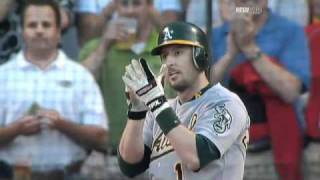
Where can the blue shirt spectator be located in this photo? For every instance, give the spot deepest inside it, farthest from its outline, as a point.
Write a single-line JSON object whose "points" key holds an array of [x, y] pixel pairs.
{"points": [[265, 59], [290, 47]]}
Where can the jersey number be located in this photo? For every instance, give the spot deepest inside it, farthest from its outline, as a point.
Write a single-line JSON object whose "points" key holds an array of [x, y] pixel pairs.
{"points": [[178, 170], [245, 140]]}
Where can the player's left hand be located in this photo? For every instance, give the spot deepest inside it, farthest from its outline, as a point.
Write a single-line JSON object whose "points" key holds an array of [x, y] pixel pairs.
{"points": [[142, 81], [134, 103]]}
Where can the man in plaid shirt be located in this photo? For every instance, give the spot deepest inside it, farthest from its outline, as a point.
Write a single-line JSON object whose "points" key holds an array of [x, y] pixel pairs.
{"points": [[51, 110]]}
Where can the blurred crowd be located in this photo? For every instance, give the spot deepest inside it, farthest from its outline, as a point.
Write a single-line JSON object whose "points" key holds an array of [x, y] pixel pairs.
{"points": [[62, 97]]}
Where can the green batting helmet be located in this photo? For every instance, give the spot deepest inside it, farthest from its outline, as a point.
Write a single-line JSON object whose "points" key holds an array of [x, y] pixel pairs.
{"points": [[185, 34]]}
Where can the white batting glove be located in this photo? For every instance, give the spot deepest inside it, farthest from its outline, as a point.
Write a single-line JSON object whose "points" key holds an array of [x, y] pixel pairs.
{"points": [[137, 110], [142, 81], [133, 102]]}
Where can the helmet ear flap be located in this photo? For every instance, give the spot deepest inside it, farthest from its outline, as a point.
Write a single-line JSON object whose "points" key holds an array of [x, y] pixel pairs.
{"points": [[200, 58]]}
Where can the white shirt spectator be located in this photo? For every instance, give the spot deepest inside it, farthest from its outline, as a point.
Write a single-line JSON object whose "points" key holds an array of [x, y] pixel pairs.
{"points": [[167, 5], [91, 6], [64, 86], [196, 13], [96, 6]]}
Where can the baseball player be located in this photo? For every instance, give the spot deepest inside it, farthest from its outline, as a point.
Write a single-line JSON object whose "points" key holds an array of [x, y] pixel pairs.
{"points": [[202, 134]]}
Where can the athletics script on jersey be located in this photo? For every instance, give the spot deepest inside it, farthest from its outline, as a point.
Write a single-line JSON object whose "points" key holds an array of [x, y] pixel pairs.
{"points": [[221, 120], [161, 144]]}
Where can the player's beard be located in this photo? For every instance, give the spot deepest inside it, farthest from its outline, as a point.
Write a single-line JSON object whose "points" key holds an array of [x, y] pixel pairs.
{"points": [[180, 86]]}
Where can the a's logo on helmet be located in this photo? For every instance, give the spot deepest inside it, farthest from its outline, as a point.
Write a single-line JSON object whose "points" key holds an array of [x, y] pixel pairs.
{"points": [[167, 33]]}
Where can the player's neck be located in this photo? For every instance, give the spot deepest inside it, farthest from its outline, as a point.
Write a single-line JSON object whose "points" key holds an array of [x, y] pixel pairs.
{"points": [[187, 94]]}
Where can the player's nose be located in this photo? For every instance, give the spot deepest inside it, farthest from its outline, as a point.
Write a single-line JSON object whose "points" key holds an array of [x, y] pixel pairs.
{"points": [[170, 61]]}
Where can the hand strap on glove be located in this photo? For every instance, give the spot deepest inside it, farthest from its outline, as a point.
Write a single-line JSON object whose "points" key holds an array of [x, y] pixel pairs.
{"points": [[135, 113]]}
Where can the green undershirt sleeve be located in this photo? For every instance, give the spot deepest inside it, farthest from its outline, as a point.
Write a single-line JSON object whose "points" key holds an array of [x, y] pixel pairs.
{"points": [[132, 170], [207, 151]]}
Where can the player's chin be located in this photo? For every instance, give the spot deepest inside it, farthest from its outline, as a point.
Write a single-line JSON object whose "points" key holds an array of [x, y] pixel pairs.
{"points": [[178, 86]]}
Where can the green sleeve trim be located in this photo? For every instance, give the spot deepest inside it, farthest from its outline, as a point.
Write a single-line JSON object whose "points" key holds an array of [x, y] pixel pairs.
{"points": [[132, 170], [207, 151], [167, 120]]}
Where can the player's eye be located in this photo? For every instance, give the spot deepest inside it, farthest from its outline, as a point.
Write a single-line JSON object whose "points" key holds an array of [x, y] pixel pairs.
{"points": [[177, 52], [163, 57]]}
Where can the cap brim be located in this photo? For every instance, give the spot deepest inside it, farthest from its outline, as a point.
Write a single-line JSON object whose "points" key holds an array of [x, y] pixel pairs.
{"points": [[157, 50]]}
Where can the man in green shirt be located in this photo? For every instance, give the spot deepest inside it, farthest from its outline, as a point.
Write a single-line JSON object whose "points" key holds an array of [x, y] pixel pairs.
{"points": [[107, 58]]}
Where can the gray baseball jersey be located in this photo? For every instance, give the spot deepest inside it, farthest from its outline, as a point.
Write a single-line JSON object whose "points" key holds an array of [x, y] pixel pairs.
{"points": [[217, 114]]}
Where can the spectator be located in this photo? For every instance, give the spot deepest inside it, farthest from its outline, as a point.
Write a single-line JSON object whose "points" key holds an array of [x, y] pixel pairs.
{"points": [[10, 29], [10, 41], [5, 8], [196, 13], [107, 58], [314, 8], [65, 9], [69, 40], [313, 96], [168, 10], [90, 18], [267, 57], [312, 108], [93, 15], [294, 10], [51, 109]]}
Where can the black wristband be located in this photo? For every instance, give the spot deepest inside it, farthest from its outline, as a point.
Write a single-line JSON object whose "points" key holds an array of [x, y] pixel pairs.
{"points": [[256, 57], [167, 120], [137, 115]]}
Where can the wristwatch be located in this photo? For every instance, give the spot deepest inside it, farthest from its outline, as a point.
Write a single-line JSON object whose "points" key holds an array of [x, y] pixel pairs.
{"points": [[255, 57]]}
